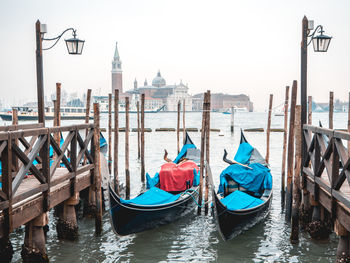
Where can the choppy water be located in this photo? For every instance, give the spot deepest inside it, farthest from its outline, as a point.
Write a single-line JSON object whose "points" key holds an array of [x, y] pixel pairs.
{"points": [[193, 239]]}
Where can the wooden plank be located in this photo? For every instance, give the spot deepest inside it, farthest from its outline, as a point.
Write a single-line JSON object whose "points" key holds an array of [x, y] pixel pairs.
{"points": [[27, 133], [39, 189], [142, 137], [4, 205], [2, 146], [82, 143], [342, 135], [84, 146], [61, 153], [116, 141], [19, 177], [26, 162], [20, 127]]}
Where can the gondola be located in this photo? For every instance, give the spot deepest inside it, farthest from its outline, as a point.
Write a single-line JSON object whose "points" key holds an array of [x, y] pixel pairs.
{"points": [[144, 212], [235, 208]]}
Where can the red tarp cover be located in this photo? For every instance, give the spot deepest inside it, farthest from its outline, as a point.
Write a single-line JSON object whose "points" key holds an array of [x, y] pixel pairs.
{"points": [[173, 177]]}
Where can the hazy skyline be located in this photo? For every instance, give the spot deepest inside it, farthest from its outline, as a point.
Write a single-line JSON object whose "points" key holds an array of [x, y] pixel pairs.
{"points": [[250, 47]]}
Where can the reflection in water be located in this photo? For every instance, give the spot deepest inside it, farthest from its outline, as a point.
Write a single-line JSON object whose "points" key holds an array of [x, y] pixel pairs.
{"points": [[192, 238]]}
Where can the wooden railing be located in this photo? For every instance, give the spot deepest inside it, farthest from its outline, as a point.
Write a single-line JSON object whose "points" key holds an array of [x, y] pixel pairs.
{"points": [[326, 171], [25, 150]]}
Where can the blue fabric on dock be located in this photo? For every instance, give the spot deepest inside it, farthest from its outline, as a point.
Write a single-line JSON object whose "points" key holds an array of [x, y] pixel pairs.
{"points": [[151, 182], [183, 152], [255, 180], [243, 153], [240, 200], [153, 196]]}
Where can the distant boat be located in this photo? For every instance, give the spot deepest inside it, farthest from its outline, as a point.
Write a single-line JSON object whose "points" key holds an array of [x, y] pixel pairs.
{"points": [[30, 113], [226, 112]]}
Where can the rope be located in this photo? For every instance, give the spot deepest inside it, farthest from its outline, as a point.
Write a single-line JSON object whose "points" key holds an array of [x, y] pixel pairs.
{"points": [[189, 190]]}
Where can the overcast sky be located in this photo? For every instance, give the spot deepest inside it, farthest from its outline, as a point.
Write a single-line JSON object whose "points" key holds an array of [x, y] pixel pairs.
{"points": [[250, 47]]}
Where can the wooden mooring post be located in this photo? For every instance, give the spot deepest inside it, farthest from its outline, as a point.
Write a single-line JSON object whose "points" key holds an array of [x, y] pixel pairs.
{"points": [[202, 156], [116, 140], [207, 152], [97, 170], [178, 126], [110, 133], [309, 108], [331, 108], [284, 151], [232, 119], [143, 137], [268, 130], [294, 237], [127, 172], [290, 159], [184, 121], [138, 130], [89, 208]]}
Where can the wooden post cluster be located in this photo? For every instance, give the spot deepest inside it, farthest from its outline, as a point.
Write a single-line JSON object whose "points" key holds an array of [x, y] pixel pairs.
{"points": [[285, 132], [268, 130], [110, 133], [204, 152], [349, 123], [127, 172], [290, 159], [116, 140], [142, 137]]}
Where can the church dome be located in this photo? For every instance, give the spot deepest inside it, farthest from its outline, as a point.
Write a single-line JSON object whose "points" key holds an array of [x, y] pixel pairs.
{"points": [[158, 81]]}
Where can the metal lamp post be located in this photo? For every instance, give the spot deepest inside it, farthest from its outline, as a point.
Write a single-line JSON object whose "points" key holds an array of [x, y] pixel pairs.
{"points": [[320, 43], [74, 47]]}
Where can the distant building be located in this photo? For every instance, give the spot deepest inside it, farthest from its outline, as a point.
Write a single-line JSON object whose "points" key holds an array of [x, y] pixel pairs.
{"points": [[117, 73], [221, 102], [161, 94]]}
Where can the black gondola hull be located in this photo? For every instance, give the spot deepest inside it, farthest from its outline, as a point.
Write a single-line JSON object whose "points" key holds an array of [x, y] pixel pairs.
{"points": [[232, 223], [127, 219]]}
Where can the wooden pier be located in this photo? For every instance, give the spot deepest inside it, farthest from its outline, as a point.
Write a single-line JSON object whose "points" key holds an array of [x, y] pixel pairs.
{"points": [[35, 180]]}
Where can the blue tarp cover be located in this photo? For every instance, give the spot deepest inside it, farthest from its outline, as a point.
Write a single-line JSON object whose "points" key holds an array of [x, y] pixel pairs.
{"points": [[183, 152], [153, 196], [254, 180], [240, 200], [243, 153]]}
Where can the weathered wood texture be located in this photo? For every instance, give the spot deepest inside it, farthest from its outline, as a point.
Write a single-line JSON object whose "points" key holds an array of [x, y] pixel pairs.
{"points": [[268, 130], [127, 171], [116, 140], [178, 127], [331, 107], [324, 180], [290, 155], [142, 137], [207, 152], [285, 133], [36, 186], [309, 108], [110, 133]]}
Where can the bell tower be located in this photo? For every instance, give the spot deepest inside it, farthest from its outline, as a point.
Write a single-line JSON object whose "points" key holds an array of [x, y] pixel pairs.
{"points": [[117, 73]]}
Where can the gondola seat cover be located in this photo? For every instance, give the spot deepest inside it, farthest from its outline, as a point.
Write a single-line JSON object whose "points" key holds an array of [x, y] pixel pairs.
{"points": [[173, 177], [256, 180], [240, 200], [153, 196]]}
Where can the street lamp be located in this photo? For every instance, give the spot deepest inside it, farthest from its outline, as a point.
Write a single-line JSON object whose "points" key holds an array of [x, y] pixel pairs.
{"points": [[320, 43], [74, 47]]}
